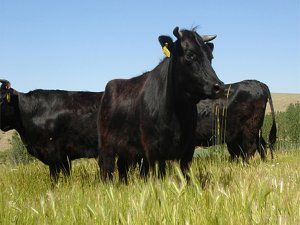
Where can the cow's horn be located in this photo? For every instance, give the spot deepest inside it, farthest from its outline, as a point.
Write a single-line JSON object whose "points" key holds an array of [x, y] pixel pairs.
{"points": [[207, 38], [177, 33]]}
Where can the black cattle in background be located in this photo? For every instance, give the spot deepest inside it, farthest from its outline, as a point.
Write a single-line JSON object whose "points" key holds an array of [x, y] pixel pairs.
{"points": [[153, 116], [237, 119], [55, 126]]}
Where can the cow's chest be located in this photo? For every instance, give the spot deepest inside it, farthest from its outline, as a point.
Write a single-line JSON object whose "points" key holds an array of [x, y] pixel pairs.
{"points": [[166, 139]]}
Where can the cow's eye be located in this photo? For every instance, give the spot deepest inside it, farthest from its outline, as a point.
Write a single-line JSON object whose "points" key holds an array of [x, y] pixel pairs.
{"points": [[190, 56]]}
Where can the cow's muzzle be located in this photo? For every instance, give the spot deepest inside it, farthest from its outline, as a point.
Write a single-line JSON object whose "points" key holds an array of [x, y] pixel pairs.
{"points": [[218, 89]]}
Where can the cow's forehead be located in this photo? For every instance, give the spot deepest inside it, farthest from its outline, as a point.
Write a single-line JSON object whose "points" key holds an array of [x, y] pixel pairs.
{"points": [[192, 37]]}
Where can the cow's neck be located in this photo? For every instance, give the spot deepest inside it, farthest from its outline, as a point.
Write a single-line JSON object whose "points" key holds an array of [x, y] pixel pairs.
{"points": [[170, 95], [178, 108], [175, 99], [25, 115]]}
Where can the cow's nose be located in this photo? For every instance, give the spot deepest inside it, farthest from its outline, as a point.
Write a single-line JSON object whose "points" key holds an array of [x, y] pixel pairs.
{"points": [[218, 88]]}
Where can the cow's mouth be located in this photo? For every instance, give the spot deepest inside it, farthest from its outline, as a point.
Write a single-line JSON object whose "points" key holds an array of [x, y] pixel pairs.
{"points": [[193, 96]]}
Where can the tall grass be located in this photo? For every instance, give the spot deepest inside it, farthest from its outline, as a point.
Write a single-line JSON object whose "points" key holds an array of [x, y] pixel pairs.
{"points": [[288, 127], [219, 192]]}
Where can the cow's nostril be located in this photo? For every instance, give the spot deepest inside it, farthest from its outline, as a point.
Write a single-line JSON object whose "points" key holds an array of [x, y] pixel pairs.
{"points": [[217, 88]]}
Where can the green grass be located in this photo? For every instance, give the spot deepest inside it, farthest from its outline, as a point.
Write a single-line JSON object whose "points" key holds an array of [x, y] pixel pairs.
{"points": [[219, 192]]}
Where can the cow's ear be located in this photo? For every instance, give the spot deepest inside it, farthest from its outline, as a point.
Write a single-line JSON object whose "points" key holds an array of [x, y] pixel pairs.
{"points": [[167, 45], [5, 84], [210, 45]]}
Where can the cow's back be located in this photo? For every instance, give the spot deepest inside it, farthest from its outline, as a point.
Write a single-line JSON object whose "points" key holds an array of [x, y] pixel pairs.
{"points": [[242, 109], [60, 124]]}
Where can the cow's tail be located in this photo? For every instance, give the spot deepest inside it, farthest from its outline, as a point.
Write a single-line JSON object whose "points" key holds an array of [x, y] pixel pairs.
{"points": [[273, 131]]}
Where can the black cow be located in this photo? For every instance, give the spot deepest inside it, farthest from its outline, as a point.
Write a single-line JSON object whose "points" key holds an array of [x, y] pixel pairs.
{"points": [[55, 126], [236, 119], [153, 116]]}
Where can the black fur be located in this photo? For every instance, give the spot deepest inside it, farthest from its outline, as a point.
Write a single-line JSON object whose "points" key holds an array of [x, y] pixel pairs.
{"points": [[56, 126], [237, 120], [153, 116]]}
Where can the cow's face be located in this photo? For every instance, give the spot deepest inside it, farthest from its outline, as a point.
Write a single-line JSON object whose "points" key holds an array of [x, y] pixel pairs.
{"points": [[8, 107], [192, 71]]}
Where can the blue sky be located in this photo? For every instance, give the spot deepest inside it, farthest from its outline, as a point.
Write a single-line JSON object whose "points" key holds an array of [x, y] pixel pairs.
{"points": [[81, 45]]}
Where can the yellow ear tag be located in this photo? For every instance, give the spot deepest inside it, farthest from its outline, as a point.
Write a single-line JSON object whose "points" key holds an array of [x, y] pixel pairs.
{"points": [[8, 97], [166, 50]]}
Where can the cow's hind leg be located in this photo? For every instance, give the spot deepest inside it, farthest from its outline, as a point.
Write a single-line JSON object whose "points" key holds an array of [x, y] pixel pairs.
{"points": [[123, 168], [54, 172], [262, 147], [161, 169], [249, 147], [234, 151], [66, 167], [56, 168], [144, 169]]}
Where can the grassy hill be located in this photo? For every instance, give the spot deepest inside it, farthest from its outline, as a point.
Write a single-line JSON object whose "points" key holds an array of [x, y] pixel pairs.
{"points": [[280, 100]]}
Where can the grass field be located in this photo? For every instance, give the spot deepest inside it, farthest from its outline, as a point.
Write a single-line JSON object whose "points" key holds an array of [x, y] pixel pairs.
{"points": [[220, 192]]}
